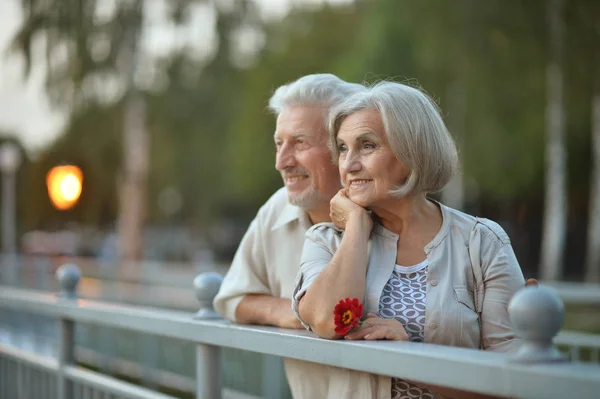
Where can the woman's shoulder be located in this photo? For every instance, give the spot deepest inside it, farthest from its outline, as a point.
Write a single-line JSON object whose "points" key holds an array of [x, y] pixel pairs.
{"points": [[493, 230], [468, 224], [325, 233]]}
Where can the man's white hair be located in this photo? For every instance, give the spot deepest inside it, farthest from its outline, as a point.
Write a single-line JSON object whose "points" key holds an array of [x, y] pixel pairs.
{"points": [[415, 130], [323, 89]]}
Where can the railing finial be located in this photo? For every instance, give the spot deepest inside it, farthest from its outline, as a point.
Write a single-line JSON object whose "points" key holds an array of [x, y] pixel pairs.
{"points": [[206, 286], [68, 276], [537, 314]]}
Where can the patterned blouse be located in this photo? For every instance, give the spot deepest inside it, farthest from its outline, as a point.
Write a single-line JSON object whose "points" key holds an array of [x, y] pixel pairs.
{"points": [[403, 298]]}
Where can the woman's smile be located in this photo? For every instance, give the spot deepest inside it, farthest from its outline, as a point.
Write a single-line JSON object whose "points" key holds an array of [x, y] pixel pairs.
{"points": [[359, 184]]}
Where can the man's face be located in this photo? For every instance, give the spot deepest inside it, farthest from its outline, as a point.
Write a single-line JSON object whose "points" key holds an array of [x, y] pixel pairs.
{"points": [[303, 157]]}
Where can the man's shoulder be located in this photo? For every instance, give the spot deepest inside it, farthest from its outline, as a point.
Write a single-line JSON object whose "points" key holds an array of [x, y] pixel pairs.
{"points": [[274, 206], [277, 211]]}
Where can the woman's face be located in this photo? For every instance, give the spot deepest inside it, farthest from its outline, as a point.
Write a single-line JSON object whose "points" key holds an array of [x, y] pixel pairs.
{"points": [[368, 167]]}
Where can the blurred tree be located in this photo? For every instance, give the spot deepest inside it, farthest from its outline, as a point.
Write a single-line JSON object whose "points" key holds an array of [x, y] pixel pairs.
{"points": [[304, 42], [483, 62], [555, 207], [592, 260], [593, 242], [21, 182], [188, 117], [134, 176]]}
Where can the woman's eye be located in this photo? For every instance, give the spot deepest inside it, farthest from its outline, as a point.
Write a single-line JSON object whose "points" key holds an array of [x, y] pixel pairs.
{"points": [[368, 146], [341, 148]]}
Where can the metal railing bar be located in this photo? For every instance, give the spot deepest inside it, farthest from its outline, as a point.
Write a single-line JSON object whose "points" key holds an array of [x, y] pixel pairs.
{"points": [[19, 355], [578, 339], [117, 365], [574, 353], [426, 363], [576, 293], [114, 365], [110, 384]]}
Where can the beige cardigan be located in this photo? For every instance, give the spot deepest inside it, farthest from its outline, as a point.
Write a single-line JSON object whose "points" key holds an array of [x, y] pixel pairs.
{"points": [[450, 315]]}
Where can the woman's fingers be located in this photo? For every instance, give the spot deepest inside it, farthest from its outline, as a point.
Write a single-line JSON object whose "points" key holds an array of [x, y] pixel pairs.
{"points": [[361, 332], [380, 333], [383, 331], [375, 327]]}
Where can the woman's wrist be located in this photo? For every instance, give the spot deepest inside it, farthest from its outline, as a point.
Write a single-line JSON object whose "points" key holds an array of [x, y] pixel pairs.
{"points": [[360, 220]]}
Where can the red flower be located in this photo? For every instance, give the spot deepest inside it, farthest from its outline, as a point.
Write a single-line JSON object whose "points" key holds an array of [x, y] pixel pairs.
{"points": [[347, 315]]}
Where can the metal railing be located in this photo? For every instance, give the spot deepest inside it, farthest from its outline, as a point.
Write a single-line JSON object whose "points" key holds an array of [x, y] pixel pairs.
{"points": [[538, 371]]}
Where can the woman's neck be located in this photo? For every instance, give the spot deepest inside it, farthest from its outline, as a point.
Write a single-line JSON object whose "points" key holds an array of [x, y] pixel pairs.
{"points": [[400, 214]]}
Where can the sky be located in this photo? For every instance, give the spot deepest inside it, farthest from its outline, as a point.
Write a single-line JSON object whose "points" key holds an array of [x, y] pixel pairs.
{"points": [[24, 108]]}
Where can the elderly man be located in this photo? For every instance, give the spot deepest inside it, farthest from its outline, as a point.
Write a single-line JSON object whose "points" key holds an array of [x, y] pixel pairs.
{"points": [[260, 283]]}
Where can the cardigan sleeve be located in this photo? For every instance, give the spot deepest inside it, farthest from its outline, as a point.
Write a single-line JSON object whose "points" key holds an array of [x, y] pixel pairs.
{"points": [[320, 245], [502, 278]]}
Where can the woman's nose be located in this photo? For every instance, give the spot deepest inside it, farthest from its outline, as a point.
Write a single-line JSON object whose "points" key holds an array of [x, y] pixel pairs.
{"points": [[351, 163]]}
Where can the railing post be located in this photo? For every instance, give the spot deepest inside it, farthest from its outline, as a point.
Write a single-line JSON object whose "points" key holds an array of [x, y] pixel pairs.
{"points": [[64, 387], [208, 357], [68, 276], [537, 314]]}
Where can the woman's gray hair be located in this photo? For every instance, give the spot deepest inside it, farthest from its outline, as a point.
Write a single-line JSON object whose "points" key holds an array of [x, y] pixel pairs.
{"points": [[415, 130], [322, 89]]}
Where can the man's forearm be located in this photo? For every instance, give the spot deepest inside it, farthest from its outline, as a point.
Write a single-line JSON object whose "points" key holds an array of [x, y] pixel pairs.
{"points": [[266, 310]]}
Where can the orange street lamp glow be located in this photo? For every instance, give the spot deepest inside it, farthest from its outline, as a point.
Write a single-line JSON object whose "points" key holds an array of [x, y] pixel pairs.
{"points": [[64, 185]]}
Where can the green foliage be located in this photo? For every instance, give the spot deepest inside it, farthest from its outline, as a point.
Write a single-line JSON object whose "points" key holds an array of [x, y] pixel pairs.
{"points": [[211, 134], [318, 41]]}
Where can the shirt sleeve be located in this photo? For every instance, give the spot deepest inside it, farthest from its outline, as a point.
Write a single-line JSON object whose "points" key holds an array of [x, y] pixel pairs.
{"points": [[247, 273], [502, 278], [317, 252]]}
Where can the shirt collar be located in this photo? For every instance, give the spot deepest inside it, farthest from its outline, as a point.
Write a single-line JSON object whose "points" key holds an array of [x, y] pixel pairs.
{"points": [[289, 214]]}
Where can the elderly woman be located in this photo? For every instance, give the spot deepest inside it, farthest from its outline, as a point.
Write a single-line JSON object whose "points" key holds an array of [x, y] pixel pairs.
{"points": [[423, 271]]}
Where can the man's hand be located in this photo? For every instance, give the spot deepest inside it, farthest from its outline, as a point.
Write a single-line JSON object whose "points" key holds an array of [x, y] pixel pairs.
{"points": [[266, 310], [288, 319], [375, 327]]}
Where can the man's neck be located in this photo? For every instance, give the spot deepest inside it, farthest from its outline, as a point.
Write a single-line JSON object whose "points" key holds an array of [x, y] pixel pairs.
{"points": [[319, 215]]}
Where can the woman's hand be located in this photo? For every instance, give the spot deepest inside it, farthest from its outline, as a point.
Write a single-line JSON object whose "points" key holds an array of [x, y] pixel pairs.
{"points": [[342, 210], [375, 327]]}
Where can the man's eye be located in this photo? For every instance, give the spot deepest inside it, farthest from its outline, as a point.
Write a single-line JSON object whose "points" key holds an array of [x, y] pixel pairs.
{"points": [[300, 141]]}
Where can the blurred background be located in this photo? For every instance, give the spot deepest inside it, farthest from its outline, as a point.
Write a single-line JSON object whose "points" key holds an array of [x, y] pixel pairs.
{"points": [[155, 113]]}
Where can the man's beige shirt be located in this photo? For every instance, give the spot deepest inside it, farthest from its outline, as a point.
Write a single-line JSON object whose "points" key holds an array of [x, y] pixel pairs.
{"points": [[268, 257], [267, 262]]}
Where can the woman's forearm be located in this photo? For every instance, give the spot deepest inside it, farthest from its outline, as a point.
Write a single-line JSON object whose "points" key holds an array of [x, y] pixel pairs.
{"points": [[344, 277]]}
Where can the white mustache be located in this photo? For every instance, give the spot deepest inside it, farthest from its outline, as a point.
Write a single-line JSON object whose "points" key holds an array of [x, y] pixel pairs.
{"points": [[295, 171]]}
